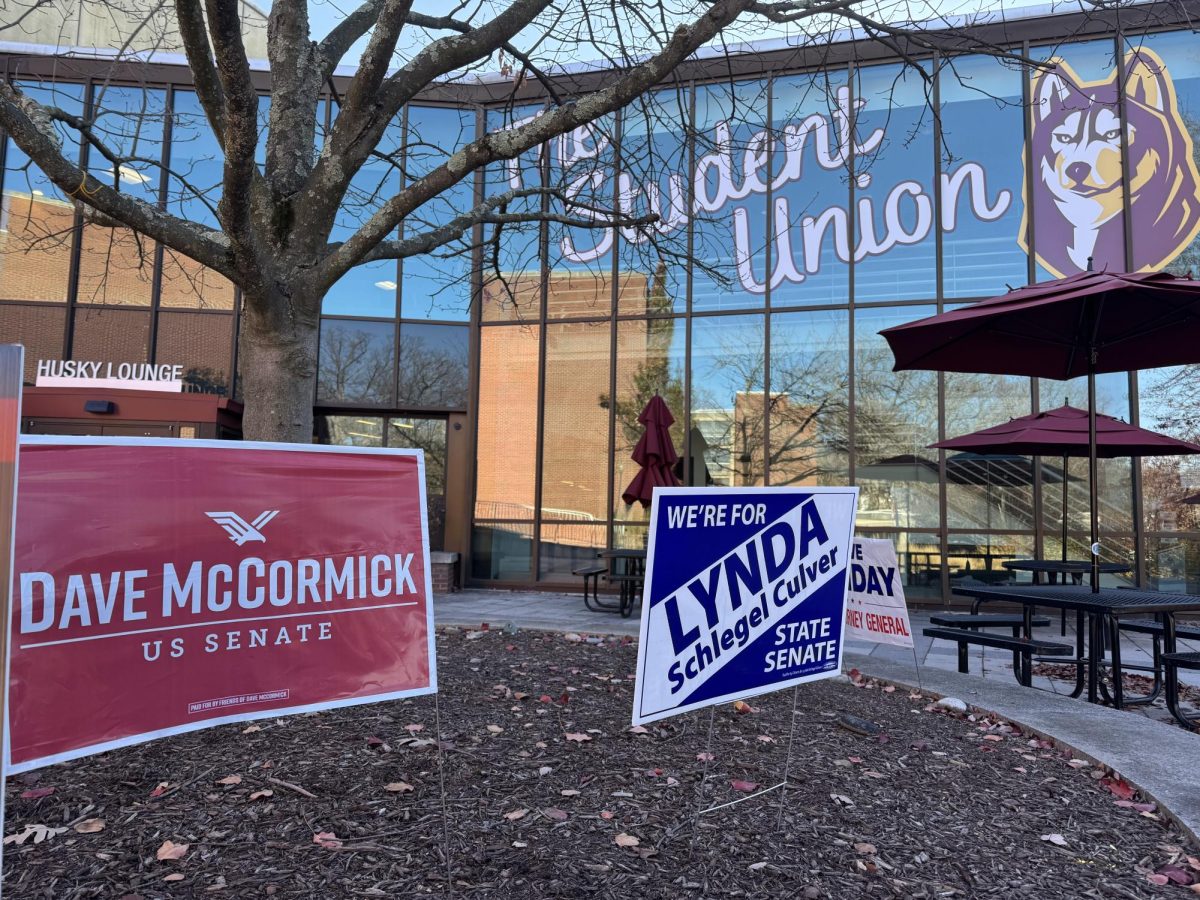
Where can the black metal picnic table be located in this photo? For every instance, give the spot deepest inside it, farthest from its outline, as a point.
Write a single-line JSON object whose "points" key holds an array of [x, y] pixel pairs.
{"points": [[1101, 608], [628, 569], [1076, 568]]}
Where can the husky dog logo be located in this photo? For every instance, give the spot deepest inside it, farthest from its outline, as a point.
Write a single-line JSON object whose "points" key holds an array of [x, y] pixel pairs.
{"points": [[239, 530], [1078, 179]]}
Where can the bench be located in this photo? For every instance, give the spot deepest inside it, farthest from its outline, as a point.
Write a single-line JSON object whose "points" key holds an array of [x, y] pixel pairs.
{"points": [[591, 573], [1155, 629], [631, 585], [998, 620], [1172, 661], [1022, 648]]}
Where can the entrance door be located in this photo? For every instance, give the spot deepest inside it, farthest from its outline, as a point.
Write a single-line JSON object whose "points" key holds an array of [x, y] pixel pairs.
{"points": [[407, 432]]}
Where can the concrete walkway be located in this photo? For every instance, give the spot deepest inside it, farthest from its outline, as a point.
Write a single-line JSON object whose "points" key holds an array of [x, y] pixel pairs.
{"points": [[1142, 745]]}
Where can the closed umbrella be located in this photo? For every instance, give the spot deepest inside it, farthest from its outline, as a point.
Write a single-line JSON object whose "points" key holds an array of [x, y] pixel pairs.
{"points": [[1085, 324], [655, 453], [1064, 432]]}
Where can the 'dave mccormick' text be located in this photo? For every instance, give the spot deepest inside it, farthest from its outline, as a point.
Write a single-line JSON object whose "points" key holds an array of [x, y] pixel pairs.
{"points": [[741, 596], [84, 605]]}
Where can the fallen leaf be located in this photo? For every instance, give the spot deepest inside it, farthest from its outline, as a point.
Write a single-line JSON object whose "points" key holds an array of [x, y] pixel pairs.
{"points": [[841, 799], [38, 832], [744, 786], [516, 815], [495, 729], [327, 839], [555, 815], [262, 795], [639, 729], [865, 849], [742, 706], [995, 738], [414, 728], [37, 793], [578, 736], [1120, 789], [1155, 878], [174, 876], [626, 840], [251, 729], [398, 787], [605, 815], [569, 793], [889, 689], [230, 779], [1056, 839], [90, 826], [545, 770], [1175, 874], [766, 739], [160, 789], [171, 850], [1078, 763], [705, 757]]}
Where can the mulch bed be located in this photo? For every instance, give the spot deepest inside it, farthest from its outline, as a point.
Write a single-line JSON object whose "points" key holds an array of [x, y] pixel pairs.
{"points": [[549, 794]]}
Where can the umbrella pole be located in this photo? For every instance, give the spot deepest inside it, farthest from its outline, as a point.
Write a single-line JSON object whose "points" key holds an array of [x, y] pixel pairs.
{"points": [[1093, 488], [1064, 509]]}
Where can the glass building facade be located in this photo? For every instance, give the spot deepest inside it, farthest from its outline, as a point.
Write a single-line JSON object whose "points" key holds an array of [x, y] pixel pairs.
{"points": [[795, 214]]}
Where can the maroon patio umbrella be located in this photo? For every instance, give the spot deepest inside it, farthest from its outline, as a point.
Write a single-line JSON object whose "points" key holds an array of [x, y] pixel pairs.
{"points": [[1088, 323], [1064, 432], [655, 453]]}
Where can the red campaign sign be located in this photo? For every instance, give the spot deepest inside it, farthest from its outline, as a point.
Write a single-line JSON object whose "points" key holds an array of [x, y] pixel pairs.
{"points": [[162, 586]]}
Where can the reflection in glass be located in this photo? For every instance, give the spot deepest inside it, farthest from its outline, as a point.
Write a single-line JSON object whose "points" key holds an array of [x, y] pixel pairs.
{"points": [[350, 431], [357, 362], [919, 556], [438, 285], [36, 219], [566, 546], [507, 429], [895, 421], [650, 360], [727, 399], [38, 328], [809, 404], [428, 435], [976, 559], [200, 342], [111, 335], [575, 427], [1170, 403], [433, 365]]}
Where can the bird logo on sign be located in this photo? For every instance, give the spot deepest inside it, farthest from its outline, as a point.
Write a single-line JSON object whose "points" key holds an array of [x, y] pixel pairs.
{"points": [[239, 530]]}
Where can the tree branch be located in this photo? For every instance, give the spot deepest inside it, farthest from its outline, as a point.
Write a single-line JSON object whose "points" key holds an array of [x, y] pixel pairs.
{"points": [[510, 144], [30, 128], [193, 31]]}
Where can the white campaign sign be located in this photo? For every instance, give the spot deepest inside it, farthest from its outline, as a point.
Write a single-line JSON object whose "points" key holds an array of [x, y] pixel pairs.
{"points": [[875, 607], [745, 594]]}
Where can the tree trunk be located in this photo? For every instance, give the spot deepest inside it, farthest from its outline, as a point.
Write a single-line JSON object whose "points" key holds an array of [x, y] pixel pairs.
{"points": [[277, 369]]}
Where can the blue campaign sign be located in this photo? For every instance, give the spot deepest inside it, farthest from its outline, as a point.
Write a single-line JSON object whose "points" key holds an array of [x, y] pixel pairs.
{"points": [[745, 594]]}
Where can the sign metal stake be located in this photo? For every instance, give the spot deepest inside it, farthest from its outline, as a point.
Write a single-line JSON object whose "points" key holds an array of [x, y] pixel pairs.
{"points": [[437, 724], [787, 766], [712, 712], [12, 370]]}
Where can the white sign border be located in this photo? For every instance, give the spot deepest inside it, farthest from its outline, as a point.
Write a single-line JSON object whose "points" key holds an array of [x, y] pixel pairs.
{"points": [[146, 736], [716, 493]]}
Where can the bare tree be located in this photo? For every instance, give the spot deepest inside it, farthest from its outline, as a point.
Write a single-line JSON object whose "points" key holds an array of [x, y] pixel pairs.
{"points": [[270, 223]]}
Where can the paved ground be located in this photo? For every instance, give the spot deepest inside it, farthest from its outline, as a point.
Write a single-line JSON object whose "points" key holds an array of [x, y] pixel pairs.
{"points": [[565, 612]]}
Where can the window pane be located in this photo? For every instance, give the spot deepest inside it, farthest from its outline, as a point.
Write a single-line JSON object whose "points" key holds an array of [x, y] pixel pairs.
{"points": [[810, 394], [1163, 104], [995, 491], [428, 435], [1170, 403], [511, 258], [111, 335], [650, 360], [575, 441], [507, 441], [502, 551], [438, 285], [895, 421], [566, 546], [811, 185], [193, 195], [654, 181], [357, 362], [730, 204], [39, 328], [1076, 148], [982, 148], [727, 399], [116, 266], [368, 289], [893, 170], [433, 365], [350, 431], [36, 219], [202, 344]]}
